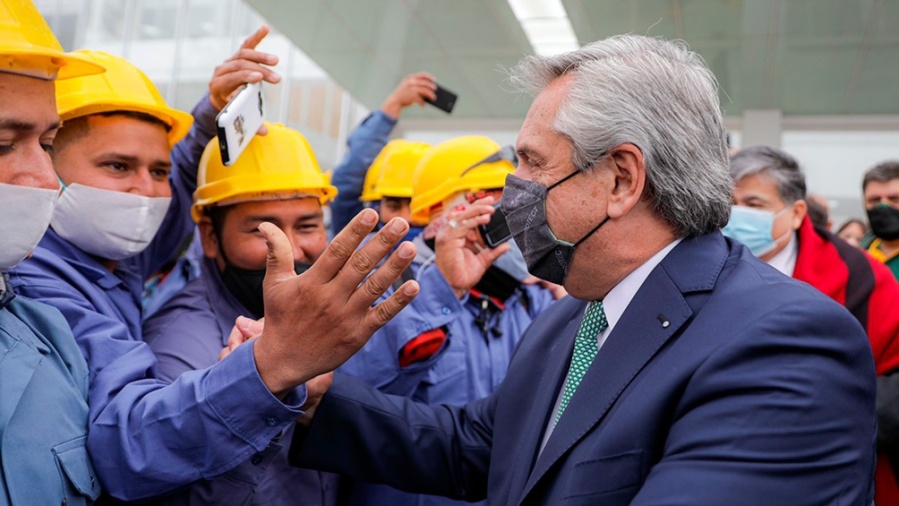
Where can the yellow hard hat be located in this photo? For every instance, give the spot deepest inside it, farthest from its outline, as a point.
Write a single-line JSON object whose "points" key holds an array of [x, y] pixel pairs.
{"points": [[370, 191], [123, 87], [396, 163], [28, 47], [470, 163], [276, 166]]}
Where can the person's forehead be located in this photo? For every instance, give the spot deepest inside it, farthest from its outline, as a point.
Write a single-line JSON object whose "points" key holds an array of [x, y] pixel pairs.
{"points": [[307, 205], [891, 186], [28, 99], [758, 185], [539, 122]]}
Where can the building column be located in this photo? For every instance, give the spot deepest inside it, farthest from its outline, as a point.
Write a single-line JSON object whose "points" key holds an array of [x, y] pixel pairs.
{"points": [[761, 127]]}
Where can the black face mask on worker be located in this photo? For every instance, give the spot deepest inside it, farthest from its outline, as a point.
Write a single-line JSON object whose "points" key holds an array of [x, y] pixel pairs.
{"points": [[246, 285], [884, 221]]}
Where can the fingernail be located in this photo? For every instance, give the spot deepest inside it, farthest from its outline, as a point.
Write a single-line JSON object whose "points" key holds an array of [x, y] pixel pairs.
{"points": [[397, 225], [243, 322], [406, 251], [409, 289], [369, 217]]}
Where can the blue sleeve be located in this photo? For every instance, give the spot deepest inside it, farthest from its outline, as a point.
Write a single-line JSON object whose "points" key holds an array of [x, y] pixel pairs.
{"points": [[182, 340], [148, 437], [438, 450], [377, 363], [183, 181], [364, 144], [539, 298]]}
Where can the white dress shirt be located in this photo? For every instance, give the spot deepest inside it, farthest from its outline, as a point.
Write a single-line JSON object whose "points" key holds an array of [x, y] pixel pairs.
{"points": [[785, 261]]}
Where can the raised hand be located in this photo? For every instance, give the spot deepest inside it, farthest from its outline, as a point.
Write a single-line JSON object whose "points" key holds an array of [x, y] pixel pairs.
{"points": [[317, 320], [413, 89], [247, 65], [461, 254]]}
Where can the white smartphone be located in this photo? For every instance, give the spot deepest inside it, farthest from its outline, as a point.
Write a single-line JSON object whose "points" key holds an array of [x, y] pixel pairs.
{"points": [[239, 121]]}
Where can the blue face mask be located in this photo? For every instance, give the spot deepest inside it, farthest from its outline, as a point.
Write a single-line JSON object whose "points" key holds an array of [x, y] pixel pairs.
{"points": [[512, 263], [753, 228]]}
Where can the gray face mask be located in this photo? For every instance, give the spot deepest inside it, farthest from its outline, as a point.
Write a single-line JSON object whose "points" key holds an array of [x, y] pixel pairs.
{"points": [[524, 205]]}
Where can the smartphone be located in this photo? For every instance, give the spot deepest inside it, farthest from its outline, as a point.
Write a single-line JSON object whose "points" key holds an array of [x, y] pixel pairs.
{"points": [[496, 231], [445, 100], [239, 121]]}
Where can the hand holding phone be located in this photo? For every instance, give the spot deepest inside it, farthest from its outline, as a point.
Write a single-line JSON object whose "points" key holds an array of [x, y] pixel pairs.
{"points": [[239, 121], [497, 230]]}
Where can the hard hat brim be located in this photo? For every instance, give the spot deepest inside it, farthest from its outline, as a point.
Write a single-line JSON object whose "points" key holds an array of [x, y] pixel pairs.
{"points": [[179, 121], [69, 65]]}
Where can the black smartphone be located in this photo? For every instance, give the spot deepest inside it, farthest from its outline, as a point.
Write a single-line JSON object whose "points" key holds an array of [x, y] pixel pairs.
{"points": [[445, 100], [496, 231]]}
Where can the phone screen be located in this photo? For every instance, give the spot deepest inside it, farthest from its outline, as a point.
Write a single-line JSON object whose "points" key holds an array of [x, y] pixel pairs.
{"points": [[496, 231]]}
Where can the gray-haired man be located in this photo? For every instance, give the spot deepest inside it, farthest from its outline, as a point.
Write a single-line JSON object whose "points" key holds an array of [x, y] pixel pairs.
{"points": [[682, 370]]}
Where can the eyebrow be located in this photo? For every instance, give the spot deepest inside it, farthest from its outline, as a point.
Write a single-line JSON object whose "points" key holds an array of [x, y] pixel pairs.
{"points": [[25, 126], [130, 159], [525, 151]]}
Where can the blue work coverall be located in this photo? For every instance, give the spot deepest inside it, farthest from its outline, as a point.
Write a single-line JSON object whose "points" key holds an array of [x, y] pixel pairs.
{"points": [[481, 334], [187, 333], [43, 407], [149, 436], [364, 144]]}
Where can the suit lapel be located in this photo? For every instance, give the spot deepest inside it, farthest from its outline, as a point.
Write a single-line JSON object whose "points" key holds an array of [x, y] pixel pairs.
{"points": [[548, 385], [656, 313], [634, 340]]}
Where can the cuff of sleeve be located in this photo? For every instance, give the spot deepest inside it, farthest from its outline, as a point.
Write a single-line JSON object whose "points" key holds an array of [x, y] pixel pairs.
{"points": [[236, 393], [380, 123], [204, 116]]}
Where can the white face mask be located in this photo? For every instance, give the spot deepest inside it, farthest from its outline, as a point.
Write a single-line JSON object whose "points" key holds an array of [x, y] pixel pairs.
{"points": [[25, 213], [109, 224]]}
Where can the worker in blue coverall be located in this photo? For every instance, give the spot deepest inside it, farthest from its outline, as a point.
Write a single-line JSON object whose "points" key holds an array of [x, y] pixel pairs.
{"points": [[354, 185], [147, 436], [453, 344], [276, 179], [43, 377]]}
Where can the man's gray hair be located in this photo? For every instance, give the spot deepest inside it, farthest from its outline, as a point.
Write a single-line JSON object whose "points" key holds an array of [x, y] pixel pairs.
{"points": [[657, 95], [780, 167]]}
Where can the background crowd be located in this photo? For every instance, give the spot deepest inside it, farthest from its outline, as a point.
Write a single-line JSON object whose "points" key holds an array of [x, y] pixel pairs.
{"points": [[669, 322]]}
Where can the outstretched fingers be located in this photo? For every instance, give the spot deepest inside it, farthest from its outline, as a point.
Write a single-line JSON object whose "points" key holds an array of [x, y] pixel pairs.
{"points": [[379, 315], [366, 258], [255, 38], [343, 246], [380, 280]]}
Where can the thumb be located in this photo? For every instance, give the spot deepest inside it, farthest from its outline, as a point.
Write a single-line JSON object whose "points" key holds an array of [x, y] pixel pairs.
{"points": [[491, 254], [279, 262]]}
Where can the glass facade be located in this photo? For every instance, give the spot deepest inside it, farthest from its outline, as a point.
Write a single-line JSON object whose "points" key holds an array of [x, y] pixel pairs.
{"points": [[178, 44]]}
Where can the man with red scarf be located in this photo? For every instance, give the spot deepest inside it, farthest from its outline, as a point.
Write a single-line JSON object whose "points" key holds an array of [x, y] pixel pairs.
{"points": [[770, 217]]}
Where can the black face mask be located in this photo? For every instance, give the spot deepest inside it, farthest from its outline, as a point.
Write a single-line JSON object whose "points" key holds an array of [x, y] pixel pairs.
{"points": [[246, 285], [884, 221]]}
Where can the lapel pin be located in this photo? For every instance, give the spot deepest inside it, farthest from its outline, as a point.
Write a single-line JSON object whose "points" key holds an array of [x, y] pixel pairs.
{"points": [[665, 323]]}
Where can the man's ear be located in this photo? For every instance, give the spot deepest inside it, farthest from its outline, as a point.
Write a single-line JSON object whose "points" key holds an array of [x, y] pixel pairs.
{"points": [[629, 171], [797, 213], [207, 238]]}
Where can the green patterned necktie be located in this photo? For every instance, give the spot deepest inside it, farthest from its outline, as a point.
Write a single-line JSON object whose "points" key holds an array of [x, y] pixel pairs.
{"points": [[585, 350]]}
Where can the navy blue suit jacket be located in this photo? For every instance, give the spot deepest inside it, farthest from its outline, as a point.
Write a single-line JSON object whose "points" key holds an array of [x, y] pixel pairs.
{"points": [[757, 390]]}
